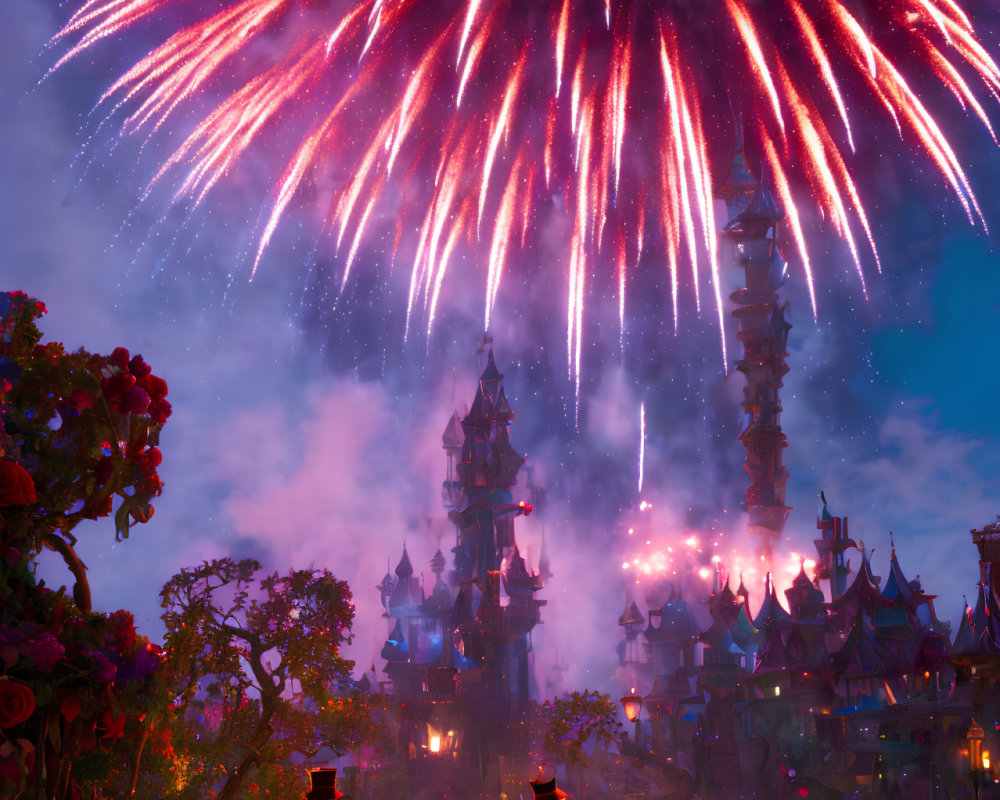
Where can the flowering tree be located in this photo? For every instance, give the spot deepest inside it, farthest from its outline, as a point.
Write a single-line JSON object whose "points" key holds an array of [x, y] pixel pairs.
{"points": [[78, 429], [261, 654], [75, 687]]}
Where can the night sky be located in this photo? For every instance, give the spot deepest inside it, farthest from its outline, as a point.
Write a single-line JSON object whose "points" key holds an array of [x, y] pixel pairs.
{"points": [[306, 432]]}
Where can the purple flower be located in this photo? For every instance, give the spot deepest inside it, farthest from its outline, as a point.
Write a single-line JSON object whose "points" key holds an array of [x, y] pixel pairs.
{"points": [[104, 670], [144, 664], [46, 650]]}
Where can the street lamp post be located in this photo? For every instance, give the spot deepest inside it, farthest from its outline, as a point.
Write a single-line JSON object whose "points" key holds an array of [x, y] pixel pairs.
{"points": [[978, 760], [632, 703]]}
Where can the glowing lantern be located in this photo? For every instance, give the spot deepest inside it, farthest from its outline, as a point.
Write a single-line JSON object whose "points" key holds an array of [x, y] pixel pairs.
{"points": [[435, 744], [633, 705]]}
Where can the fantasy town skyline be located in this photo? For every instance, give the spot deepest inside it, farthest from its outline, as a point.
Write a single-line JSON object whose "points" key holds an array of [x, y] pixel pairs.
{"points": [[307, 429]]}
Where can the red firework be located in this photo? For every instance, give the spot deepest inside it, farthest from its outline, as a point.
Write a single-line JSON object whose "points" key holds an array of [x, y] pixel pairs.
{"points": [[481, 112]]}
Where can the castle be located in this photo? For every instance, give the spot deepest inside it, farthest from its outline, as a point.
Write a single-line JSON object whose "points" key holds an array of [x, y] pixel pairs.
{"points": [[865, 693], [457, 658], [861, 691]]}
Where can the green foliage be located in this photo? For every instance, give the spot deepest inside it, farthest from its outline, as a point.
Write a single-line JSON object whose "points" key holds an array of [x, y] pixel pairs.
{"points": [[572, 722]]}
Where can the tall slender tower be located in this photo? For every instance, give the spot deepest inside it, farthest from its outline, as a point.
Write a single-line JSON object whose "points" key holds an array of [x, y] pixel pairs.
{"points": [[763, 334]]}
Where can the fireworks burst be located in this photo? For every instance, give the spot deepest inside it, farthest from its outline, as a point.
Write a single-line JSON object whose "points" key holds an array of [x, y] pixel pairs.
{"points": [[474, 124], [695, 561]]}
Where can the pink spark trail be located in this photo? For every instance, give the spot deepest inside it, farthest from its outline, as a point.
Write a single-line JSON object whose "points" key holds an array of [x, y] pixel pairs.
{"points": [[444, 122]]}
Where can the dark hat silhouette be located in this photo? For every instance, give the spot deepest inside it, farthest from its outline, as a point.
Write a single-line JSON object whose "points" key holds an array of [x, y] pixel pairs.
{"points": [[323, 785], [546, 790]]}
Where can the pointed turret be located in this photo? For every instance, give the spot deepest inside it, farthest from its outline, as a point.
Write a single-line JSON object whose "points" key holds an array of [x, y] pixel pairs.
{"points": [[386, 588], [831, 547], [731, 633], [771, 613], [862, 657], [862, 596], [631, 616], [965, 638], [405, 596], [987, 541], [805, 600], [908, 593], [671, 634]]}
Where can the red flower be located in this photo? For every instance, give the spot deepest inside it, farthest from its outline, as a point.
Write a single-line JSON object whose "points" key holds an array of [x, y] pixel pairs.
{"points": [[153, 457], [123, 627], [159, 410], [70, 707], [119, 358], [116, 388], [138, 367], [157, 387], [16, 485], [81, 399], [103, 469], [17, 703], [135, 401], [111, 725]]}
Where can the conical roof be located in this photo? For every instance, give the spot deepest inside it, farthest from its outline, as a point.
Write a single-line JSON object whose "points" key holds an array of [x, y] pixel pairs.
{"points": [[774, 656], [631, 615], [491, 373], [503, 410], [862, 594], [862, 656], [965, 638], [900, 590], [771, 612], [804, 600], [453, 435], [760, 213], [404, 569]]}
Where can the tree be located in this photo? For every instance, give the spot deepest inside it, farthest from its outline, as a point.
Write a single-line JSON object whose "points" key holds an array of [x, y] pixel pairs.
{"points": [[84, 427], [76, 430], [264, 650], [570, 723]]}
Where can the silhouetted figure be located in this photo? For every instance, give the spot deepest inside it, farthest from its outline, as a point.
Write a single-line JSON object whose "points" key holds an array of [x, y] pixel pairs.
{"points": [[323, 785]]}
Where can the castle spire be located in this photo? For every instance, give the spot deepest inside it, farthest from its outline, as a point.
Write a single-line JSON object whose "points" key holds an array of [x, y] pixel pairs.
{"points": [[763, 334]]}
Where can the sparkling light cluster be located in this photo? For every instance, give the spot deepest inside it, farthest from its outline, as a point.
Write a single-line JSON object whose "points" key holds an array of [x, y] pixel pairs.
{"points": [[696, 560]]}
